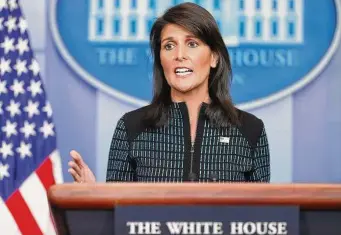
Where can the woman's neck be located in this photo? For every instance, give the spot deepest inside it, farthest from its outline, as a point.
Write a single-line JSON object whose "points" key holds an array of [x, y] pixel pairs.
{"points": [[193, 101], [192, 98]]}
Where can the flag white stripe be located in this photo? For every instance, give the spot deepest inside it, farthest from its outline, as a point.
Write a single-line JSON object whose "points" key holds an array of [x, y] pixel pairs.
{"points": [[34, 194], [56, 167], [8, 225], [50, 228]]}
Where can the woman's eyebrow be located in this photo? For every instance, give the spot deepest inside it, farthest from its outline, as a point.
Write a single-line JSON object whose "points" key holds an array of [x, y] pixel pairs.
{"points": [[172, 38]]}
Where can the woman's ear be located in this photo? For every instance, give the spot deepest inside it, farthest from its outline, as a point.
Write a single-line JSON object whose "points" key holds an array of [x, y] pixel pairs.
{"points": [[214, 60]]}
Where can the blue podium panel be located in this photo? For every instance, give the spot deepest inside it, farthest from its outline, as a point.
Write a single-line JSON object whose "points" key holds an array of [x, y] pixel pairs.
{"points": [[101, 222]]}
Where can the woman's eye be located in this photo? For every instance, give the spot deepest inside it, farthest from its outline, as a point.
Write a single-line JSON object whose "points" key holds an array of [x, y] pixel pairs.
{"points": [[168, 46], [193, 44]]}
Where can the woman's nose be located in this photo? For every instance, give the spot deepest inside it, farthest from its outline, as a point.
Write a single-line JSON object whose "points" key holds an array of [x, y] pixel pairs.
{"points": [[180, 54]]}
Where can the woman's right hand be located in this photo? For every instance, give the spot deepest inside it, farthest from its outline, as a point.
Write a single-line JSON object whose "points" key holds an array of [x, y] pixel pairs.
{"points": [[79, 170]]}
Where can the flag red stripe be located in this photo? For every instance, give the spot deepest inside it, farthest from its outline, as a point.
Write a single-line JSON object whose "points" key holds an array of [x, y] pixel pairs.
{"points": [[22, 215], [45, 173]]}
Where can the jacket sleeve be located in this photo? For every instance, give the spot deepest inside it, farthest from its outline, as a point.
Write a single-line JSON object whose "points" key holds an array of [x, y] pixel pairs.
{"points": [[261, 161], [119, 163]]}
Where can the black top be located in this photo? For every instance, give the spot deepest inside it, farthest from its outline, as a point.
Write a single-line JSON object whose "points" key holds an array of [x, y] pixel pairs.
{"points": [[166, 154]]}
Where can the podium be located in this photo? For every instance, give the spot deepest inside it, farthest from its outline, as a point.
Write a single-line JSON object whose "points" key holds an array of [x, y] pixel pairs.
{"points": [[90, 208]]}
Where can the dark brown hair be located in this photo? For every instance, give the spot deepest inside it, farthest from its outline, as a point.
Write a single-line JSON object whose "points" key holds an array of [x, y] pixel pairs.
{"points": [[202, 24]]}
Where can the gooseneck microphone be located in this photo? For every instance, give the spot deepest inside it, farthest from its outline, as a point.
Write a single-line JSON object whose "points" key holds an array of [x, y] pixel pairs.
{"points": [[192, 176], [213, 177]]}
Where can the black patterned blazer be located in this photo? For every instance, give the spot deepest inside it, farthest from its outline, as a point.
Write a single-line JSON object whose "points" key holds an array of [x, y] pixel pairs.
{"points": [[166, 154]]}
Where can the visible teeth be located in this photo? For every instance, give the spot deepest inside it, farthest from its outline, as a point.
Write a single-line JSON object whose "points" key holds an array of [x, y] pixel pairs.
{"points": [[183, 73], [182, 70]]}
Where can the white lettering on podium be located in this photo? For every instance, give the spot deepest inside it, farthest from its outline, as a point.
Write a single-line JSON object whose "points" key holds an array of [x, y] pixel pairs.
{"points": [[213, 228], [181, 227], [259, 228], [144, 227]]}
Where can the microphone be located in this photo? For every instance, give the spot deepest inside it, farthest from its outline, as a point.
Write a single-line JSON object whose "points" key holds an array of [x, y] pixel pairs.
{"points": [[213, 177], [192, 176]]}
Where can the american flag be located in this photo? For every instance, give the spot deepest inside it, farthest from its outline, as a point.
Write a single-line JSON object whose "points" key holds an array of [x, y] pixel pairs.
{"points": [[29, 159]]}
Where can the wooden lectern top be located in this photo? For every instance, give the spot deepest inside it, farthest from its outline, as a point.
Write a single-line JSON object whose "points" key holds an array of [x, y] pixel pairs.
{"points": [[108, 195]]}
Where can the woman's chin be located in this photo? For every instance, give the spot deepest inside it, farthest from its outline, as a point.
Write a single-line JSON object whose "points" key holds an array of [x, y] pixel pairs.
{"points": [[183, 89]]}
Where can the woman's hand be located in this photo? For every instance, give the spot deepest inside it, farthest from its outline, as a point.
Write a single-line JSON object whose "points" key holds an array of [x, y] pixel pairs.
{"points": [[79, 170]]}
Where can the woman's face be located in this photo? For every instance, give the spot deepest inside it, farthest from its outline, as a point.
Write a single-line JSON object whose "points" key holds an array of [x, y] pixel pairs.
{"points": [[186, 60]]}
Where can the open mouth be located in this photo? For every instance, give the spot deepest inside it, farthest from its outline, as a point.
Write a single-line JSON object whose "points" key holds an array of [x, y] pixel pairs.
{"points": [[183, 71]]}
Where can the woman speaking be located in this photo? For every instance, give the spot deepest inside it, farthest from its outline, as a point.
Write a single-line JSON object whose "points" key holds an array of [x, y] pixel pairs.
{"points": [[191, 131]]}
